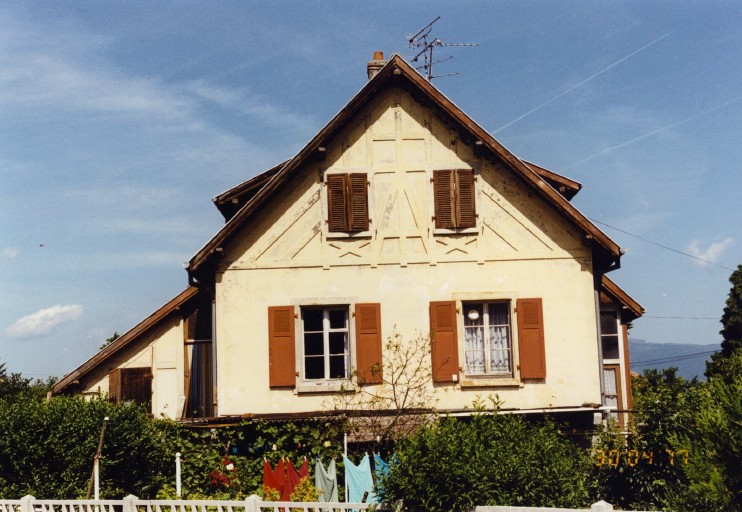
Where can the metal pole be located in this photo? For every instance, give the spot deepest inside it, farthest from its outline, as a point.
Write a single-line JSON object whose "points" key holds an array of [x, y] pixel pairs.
{"points": [[177, 474], [94, 477]]}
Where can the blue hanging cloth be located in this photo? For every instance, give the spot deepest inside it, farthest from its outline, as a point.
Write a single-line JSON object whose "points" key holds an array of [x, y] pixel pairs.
{"points": [[359, 481]]}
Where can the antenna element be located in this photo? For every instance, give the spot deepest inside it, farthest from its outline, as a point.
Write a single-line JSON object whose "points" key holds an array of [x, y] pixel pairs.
{"points": [[425, 46]]}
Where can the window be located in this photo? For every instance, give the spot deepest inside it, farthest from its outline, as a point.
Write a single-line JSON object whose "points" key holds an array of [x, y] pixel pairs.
{"points": [[453, 193], [325, 343], [487, 338], [609, 334], [130, 384], [347, 202], [488, 328]]}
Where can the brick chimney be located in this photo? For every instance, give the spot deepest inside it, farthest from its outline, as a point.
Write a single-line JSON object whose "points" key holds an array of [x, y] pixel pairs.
{"points": [[375, 65]]}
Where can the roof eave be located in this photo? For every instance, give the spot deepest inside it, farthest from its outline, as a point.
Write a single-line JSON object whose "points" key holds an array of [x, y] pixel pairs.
{"points": [[126, 339]]}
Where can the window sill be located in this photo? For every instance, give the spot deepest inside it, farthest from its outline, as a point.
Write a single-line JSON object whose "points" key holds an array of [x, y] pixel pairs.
{"points": [[325, 387], [348, 234], [489, 381], [456, 231]]}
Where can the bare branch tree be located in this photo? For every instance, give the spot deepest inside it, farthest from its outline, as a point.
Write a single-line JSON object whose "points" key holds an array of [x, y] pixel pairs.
{"points": [[403, 401]]}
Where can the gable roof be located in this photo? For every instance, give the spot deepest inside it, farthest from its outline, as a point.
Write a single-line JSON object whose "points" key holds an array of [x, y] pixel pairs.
{"points": [[229, 202], [398, 72], [127, 339]]}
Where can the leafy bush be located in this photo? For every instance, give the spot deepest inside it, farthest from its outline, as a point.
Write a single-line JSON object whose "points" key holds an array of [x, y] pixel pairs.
{"points": [[47, 448], [488, 459]]}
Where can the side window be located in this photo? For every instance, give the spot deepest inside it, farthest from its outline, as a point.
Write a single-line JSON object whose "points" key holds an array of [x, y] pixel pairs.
{"points": [[347, 202], [487, 339], [325, 343], [609, 337], [453, 195]]}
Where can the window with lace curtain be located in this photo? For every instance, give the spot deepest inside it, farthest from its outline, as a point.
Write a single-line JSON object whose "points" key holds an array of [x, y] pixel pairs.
{"points": [[487, 338]]}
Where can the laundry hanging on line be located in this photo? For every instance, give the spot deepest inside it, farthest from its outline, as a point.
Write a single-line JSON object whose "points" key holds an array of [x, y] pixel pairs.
{"points": [[326, 481]]}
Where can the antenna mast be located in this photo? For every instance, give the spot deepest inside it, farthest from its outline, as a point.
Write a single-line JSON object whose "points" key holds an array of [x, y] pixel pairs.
{"points": [[425, 46]]}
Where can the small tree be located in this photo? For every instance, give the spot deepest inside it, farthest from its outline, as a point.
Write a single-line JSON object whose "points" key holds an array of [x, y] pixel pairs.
{"points": [[401, 403]]}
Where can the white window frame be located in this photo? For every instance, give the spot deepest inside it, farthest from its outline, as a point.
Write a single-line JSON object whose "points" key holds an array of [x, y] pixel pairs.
{"points": [[618, 334], [486, 326], [489, 380], [304, 385]]}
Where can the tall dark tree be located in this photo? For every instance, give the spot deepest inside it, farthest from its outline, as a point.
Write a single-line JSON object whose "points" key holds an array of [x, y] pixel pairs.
{"points": [[731, 331]]}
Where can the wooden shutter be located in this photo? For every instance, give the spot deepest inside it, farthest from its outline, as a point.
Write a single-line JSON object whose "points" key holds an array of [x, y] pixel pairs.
{"points": [[114, 386], [368, 343], [281, 346], [444, 343], [466, 215], [531, 339], [337, 210], [443, 195], [358, 203]]}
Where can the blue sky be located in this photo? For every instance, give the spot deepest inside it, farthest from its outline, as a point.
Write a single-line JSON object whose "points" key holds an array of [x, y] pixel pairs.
{"points": [[119, 121]]}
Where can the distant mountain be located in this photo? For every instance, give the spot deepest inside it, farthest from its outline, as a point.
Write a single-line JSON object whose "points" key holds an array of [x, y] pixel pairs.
{"points": [[690, 360]]}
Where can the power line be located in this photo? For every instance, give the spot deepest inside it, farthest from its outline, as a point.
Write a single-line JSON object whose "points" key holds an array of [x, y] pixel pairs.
{"points": [[674, 358], [682, 317], [662, 246]]}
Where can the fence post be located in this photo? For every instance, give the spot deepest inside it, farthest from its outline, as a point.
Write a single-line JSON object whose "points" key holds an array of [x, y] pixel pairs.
{"points": [[129, 504], [251, 503], [27, 503], [601, 506]]}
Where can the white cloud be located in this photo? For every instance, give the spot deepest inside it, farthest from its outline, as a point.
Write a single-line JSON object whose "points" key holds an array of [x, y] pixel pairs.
{"points": [[10, 253], [44, 321], [711, 254]]}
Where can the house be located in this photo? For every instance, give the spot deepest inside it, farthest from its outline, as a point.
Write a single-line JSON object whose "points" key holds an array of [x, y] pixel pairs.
{"points": [[402, 215]]}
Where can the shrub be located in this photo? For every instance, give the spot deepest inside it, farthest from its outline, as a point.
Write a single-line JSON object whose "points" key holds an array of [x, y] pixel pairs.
{"points": [[488, 459]]}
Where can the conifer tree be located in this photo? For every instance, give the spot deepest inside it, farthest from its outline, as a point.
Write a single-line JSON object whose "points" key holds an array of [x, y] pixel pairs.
{"points": [[731, 331]]}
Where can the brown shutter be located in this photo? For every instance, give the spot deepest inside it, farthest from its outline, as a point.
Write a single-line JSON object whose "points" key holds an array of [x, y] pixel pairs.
{"points": [[531, 339], [443, 196], [443, 343], [281, 346], [368, 343], [336, 202], [358, 202], [466, 215], [114, 386]]}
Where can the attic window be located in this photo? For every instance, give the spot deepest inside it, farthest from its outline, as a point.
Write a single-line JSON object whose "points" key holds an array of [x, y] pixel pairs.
{"points": [[453, 192], [347, 202]]}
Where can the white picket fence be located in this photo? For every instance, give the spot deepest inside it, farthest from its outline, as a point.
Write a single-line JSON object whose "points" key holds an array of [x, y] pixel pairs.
{"points": [[134, 504], [251, 504]]}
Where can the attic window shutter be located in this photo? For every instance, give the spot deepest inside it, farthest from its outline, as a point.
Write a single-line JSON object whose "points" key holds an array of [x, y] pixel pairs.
{"points": [[531, 339], [444, 343], [368, 343], [281, 346], [336, 205], [358, 202], [454, 194], [444, 200], [466, 213], [347, 202]]}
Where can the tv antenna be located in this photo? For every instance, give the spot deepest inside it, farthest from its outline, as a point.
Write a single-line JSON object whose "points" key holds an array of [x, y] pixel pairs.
{"points": [[426, 43]]}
